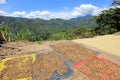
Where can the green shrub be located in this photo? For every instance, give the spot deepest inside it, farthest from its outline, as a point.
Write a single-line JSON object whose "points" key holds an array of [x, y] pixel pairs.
{"points": [[61, 36]]}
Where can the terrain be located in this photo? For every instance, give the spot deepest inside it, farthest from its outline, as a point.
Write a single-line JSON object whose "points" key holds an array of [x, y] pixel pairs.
{"points": [[66, 59], [39, 29]]}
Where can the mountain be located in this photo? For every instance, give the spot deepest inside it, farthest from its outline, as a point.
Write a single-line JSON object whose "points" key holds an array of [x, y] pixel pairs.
{"points": [[43, 28]]}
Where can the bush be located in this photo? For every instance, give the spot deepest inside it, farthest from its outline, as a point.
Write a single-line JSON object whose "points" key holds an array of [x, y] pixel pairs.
{"points": [[82, 32], [61, 36], [104, 30], [4, 33], [24, 34]]}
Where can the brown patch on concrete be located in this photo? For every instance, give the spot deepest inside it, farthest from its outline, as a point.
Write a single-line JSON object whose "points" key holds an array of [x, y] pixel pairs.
{"points": [[18, 48], [44, 67], [72, 51], [17, 68], [97, 68]]}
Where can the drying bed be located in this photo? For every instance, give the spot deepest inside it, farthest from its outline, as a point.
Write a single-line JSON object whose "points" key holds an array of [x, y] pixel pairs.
{"points": [[98, 68], [57, 65], [45, 66], [17, 67], [31, 67], [34, 67], [72, 51]]}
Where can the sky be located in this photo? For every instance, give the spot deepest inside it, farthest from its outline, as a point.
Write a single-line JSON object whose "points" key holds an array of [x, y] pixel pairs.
{"points": [[51, 9]]}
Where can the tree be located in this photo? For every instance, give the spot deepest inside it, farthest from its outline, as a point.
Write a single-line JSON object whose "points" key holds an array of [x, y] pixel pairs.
{"points": [[61, 36], [4, 32], [109, 20], [24, 34], [116, 2], [82, 32]]}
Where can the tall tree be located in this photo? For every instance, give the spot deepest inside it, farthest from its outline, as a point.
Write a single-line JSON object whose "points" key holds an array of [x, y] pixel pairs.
{"points": [[4, 32], [109, 20], [116, 2]]}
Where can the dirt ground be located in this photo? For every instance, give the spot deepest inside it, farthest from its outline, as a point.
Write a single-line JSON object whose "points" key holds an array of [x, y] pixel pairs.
{"points": [[107, 43]]}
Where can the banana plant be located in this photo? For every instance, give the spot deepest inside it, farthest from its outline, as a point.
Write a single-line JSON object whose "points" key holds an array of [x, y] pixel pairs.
{"points": [[4, 33]]}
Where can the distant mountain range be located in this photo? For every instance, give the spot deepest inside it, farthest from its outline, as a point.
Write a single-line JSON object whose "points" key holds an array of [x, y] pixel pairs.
{"points": [[46, 27], [80, 21]]}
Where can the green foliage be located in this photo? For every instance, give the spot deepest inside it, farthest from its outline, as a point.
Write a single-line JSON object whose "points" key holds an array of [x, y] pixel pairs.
{"points": [[116, 2], [108, 21], [24, 34], [82, 32], [61, 36], [38, 29], [104, 30], [4, 32]]}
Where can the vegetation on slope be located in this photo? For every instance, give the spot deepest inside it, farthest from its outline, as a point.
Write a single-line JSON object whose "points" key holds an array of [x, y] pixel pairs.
{"points": [[38, 29]]}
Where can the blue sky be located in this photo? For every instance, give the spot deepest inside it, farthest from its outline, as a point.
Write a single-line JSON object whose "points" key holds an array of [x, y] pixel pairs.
{"points": [[48, 9]]}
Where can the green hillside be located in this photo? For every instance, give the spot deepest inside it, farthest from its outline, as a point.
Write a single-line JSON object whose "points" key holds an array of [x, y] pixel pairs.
{"points": [[40, 29]]}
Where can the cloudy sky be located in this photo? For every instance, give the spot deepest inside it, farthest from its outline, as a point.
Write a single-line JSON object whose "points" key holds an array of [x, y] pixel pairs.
{"points": [[51, 9]]}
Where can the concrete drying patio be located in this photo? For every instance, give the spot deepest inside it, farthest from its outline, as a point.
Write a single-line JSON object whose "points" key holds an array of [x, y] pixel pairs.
{"points": [[107, 43]]}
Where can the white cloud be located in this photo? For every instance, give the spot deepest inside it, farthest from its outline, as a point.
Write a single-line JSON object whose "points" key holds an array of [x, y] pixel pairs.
{"points": [[82, 10], [33, 14], [63, 15], [86, 9], [40, 14], [18, 14], [115, 6], [2, 1], [3, 13]]}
